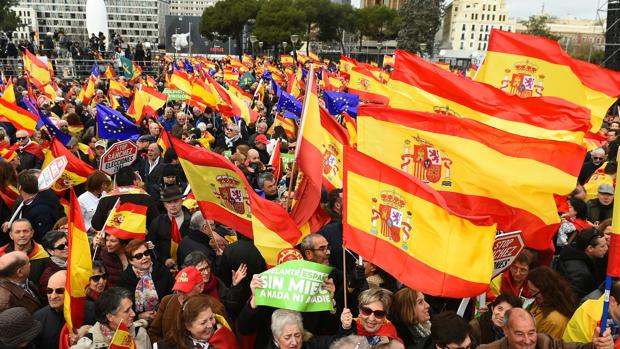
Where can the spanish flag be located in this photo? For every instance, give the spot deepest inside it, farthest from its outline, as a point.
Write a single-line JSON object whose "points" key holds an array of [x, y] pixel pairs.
{"points": [[367, 86], [202, 96], [347, 64], [223, 100], [175, 239], [247, 60], [218, 186], [241, 105], [287, 60], [613, 266], [88, 91], [127, 221], [79, 267], [122, 339], [477, 168], [9, 92], [146, 101], [388, 61], [109, 72], [118, 89], [164, 139], [181, 81], [289, 126], [422, 86], [36, 68], [76, 172], [406, 228], [20, 118], [334, 139], [530, 66]]}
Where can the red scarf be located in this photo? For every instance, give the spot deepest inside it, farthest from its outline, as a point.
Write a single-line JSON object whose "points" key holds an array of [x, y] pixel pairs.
{"points": [[386, 330], [508, 285], [210, 288]]}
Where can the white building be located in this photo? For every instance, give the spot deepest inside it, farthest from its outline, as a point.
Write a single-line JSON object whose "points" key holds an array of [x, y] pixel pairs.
{"points": [[28, 19], [467, 24], [189, 7]]}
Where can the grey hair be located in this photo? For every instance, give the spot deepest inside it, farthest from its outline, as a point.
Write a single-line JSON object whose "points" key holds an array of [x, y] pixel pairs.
{"points": [[234, 126], [599, 151], [350, 342], [375, 294], [194, 258], [197, 221], [307, 243], [283, 317], [265, 176]]}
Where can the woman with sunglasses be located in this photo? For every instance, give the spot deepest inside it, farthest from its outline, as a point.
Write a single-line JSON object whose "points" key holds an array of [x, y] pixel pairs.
{"points": [[372, 322], [553, 301], [55, 243], [98, 282], [148, 280]]}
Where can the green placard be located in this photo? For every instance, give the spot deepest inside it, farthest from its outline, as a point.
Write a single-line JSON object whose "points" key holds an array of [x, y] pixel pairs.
{"points": [[295, 285], [175, 95], [287, 158]]}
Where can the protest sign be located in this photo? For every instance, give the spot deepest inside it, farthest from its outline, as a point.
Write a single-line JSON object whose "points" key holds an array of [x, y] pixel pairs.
{"points": [[295, 285]]}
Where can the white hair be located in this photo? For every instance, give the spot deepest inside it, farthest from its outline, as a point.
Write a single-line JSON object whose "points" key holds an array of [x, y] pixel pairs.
{"points": [[284, 317], [598, 151]]}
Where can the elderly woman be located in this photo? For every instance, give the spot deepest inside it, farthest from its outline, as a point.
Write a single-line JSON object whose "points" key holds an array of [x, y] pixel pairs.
{"points": [[287, 328], [554, 302], [488, 327], [200, 326], [411, 316], [113, 307], [372, 322], [55, 243], [149, 281], [97, 282]]}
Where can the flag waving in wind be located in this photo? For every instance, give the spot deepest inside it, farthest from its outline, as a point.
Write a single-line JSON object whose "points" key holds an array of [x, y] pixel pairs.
{"points": [[111, 124]]}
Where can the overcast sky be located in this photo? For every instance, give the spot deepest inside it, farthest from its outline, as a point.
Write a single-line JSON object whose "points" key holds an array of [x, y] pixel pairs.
{"points": [[560, 8]]}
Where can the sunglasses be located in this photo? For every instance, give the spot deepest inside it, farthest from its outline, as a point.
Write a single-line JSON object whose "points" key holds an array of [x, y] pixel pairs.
{"points": [[61, 247], [20, 138], [60, 290], [379, 314], [140, 255], [97, 278], [598, 158]]}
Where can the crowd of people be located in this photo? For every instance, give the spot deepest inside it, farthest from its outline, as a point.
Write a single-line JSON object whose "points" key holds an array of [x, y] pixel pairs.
{"points": [[203, 296]]}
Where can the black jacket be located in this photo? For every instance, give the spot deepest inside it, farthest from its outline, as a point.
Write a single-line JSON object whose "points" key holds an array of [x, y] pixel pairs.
{"points": [[598, 212], [195, 240], [241, 251], [52, 322], [42, 212], [107, 203], [160, 233], [162, 279], [579, 269]]}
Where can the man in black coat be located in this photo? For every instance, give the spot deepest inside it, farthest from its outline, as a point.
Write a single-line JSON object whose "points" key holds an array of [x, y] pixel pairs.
{"points": [[577, 262], [198, 239]]}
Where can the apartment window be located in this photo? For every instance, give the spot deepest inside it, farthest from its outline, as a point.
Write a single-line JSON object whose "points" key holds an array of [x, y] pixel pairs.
{"points": [[500, 28], [493, 18], [485, 46], [473, 27], [494, 7], [471, 44], [483, 7], [462, 45], [462, 36], [456, 8], [480, 37], [479, 46], [464, 27], [472, 36]]}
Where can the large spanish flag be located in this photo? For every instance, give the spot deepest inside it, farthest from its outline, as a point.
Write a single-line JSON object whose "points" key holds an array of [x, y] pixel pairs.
{"points": [[530, 66], [334, 139], [36, 68], [370, 89], [347, 64], [146, 101], [118, 89], [20, 118], [403, 226], [79, 267], [477, 168], [202, 96], [127, 221], [423, 86], [181, 81], [76, 172]]}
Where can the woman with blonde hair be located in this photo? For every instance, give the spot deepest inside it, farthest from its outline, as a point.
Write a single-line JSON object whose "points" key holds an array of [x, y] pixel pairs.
{"points": [[410, 313]]}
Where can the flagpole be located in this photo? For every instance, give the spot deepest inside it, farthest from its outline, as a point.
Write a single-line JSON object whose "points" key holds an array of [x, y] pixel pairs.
{"points": [[290, 184], [305, 111], [344, 274], [102, 232]]}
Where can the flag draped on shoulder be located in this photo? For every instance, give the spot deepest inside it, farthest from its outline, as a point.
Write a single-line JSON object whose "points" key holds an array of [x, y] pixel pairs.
{"points": [[530, 66], [422, 86], [111, 124], [477, 168], [127, 221], [79, 267], [406, 228], [76, 172]]}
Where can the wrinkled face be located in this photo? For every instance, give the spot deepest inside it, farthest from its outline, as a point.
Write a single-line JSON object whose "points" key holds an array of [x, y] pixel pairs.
{"points": [[290, 338], [261, 128], [112, 244], [60, 249], [98, 281], [181, 119], [203, 325], [521, 333], [320, 250], [269, 187], [253, 156], [421, 309], [499, 310], [141, 259], [372, 316], [230, 131], [56, 292], [154, 129], [21, 233], [519, 271], [173, 207], [605, 199], [205, 270], [22, 137], [597, 159], [123, 313], [153, 152]]}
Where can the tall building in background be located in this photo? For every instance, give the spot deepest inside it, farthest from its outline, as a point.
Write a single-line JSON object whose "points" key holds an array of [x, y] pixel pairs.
{"points": [[28, 21], [135, 20], [395, 4], [612, 36], [467, 24], [189, 8]]}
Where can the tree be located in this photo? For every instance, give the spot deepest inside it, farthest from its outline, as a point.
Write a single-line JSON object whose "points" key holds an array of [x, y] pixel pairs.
{"points": [[377, 23], [9, 21], [227, 18], [420, 21], [334, 21], [312, 11], [276, 21], [537, 26], [586, 52]]}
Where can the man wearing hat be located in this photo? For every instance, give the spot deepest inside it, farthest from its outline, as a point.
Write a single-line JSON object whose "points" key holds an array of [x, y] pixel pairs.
{"points": [[169, 176], [100, 148], [18, 328], [602, 207], [176, 217], [579, 262], [260, 144], [188, 283]]}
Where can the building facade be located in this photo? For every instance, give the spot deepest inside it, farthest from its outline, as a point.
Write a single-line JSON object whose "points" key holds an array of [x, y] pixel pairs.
{"points": [[29, 23], [189, 7], [575, 32], [467, 24], [395, 4]]}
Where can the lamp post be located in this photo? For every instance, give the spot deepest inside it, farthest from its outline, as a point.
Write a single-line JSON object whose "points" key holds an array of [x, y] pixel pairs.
{"points": [[260, 44], [284, 45], [294, 40], [379, 46], [253, 41]]}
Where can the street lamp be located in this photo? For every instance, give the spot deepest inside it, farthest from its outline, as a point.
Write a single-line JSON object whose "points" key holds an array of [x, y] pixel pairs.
{"points": [[294, 40], [379, 46], [260, 44], [253, 41], [284, 45]]}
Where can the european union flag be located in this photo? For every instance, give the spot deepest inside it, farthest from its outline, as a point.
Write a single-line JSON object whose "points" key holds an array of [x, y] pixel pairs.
{"points": [[189, 68], [339, 102], [32, 107], [113, 125], [64, 138], [288, 102], [275, 88], [266, 75], [95, 70], [289, 115]]}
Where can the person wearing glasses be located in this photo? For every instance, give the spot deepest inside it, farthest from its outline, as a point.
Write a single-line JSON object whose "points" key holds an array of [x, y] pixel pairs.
{"points": [[149, 281], [372, 322], [52, 316], [56, 244], [514, 280], [98, 282], [30, 153], [230, 139], [554, 302], [580, 263], [595, 160]]}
